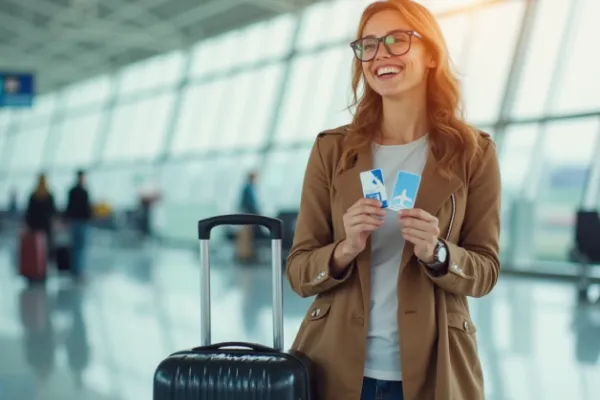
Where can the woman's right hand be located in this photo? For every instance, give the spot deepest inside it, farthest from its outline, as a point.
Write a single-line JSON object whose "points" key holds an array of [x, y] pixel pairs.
{"points": [[364, 217], [361, 219]]}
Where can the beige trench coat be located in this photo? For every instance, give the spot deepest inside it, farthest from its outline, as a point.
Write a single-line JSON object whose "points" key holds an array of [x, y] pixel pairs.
{"points": [[437, 337]]}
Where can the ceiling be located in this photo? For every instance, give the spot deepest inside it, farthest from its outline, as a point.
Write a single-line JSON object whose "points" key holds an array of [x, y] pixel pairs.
{"points": [[65, 41]]}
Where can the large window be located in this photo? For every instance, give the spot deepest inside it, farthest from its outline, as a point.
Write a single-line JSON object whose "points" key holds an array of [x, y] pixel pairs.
{"points": [[580, 83], [28, 149], [6, 118], [92, 92], [515, 157], [562, 179], [163, 71], [77, 139], [256, 43], [489, 58], [281, 178], [319, 28], [541, 58], [199, 117], [456, 33], [233, 112], [27, 140], [138, 128], [311, 101]]}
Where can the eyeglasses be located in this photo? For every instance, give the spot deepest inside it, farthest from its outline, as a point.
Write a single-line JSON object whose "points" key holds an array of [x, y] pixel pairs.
{"points": [[397, 43]]}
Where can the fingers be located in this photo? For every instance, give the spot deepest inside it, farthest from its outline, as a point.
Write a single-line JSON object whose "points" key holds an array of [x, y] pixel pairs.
{"points": [[417, 234], [431, 228], [366, 206], [366, 210], [366, 202], [364, 216], [413, 239], [365, 228], [418, 214], [363, 219]]}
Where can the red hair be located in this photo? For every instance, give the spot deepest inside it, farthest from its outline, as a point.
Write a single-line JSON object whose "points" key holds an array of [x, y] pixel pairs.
{"points": [[452, 139]]}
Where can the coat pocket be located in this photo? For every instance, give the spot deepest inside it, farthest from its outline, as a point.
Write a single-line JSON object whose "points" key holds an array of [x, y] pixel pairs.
{"points": [[464, 356], [312, 326], [461, 322]]}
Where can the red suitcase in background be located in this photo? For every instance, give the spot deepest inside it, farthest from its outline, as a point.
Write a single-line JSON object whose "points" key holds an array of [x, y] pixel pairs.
{"points": [[33, 255]]}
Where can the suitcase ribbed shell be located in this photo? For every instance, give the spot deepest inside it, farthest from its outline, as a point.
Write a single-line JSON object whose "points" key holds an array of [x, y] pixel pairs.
{"points": [[233, 374]]}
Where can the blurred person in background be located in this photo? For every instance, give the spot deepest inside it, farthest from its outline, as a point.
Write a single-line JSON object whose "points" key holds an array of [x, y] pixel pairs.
{"points": [[248, 201], [78, 215], [246, 237], [391, 319], [13, 203], [41, 211]]}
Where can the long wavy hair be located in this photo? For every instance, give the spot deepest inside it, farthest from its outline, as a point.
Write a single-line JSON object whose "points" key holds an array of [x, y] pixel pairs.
{"points": [[452, 139], [41, 189]]}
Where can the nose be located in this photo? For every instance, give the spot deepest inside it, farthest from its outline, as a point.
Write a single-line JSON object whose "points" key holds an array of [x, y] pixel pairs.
{"points": [[382, 52]]}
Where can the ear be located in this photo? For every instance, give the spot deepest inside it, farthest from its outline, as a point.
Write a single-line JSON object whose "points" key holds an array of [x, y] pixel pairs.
{"points": [[431, 62]]}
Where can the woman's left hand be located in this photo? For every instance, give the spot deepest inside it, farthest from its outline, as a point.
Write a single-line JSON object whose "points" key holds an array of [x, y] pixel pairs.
{"points": [[421, 229]]}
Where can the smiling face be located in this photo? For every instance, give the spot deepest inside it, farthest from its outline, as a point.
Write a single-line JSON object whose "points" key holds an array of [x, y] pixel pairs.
{"points": [[393, 76]]}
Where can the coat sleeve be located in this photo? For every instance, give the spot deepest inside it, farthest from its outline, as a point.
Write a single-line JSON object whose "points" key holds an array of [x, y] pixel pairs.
{"points": [[308, 264], [473, 265]]}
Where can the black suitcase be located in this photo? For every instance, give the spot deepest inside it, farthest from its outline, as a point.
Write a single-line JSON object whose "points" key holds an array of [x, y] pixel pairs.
{"points": [[236, 370]]}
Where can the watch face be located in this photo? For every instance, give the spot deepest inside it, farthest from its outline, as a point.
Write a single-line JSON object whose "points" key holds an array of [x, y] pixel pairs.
{"points": [[442, 253]]}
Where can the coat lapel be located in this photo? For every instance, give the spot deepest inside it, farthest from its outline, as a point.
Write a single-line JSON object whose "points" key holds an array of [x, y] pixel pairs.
{"points": [[434, 190], [349, 189], [347, 184]]}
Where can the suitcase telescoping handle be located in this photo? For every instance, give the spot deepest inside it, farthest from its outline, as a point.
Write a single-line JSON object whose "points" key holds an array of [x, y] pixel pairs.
{"points": [[275, 227]]}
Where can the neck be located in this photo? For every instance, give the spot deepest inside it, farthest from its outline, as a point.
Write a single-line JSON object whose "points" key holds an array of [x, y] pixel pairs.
{"points": [[404, 119]]}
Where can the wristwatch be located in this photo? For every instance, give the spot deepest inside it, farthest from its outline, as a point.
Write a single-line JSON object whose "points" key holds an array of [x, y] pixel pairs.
{"points": [[440, 257]]}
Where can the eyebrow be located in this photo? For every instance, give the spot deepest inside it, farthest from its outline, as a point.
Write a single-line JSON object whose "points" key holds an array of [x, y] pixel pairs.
{"points": [[387, 33]]}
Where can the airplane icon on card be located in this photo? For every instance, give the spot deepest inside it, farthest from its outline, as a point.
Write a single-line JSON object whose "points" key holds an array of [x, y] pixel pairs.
{"points": [[402, 200]]}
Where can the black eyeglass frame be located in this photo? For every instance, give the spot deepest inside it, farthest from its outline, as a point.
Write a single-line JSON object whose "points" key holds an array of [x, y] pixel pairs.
{"points": [[381, 39]]}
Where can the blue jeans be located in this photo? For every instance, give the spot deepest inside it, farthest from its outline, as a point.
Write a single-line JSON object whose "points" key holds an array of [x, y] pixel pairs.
{"points": [[78, 245], [374, 389]]}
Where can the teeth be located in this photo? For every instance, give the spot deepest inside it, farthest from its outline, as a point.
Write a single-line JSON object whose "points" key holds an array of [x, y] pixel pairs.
{"points": [[388, 70]]}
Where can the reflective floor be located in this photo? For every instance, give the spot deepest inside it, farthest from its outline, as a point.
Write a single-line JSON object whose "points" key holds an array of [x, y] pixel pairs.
{"points": [[103, 339]]}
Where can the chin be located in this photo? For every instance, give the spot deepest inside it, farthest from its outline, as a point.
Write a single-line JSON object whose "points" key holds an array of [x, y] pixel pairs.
{"points": [[393, 93], [396, 91]]}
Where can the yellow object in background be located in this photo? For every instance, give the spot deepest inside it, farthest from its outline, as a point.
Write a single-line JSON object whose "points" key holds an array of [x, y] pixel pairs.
{"points": [[102, 210]]}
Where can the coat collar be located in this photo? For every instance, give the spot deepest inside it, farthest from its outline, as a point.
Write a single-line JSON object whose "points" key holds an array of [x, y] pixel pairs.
{"points": [[434, 190]]}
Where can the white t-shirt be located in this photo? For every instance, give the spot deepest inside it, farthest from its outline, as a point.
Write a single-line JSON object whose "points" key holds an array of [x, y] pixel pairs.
{"points": [[383, 349]]}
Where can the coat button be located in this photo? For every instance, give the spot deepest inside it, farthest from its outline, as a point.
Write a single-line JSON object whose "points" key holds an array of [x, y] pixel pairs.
{"points": [[321, 275], [315, 312], [466, 325]]}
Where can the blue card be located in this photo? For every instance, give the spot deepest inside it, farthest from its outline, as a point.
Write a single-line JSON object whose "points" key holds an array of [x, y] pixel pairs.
{"points": [[373, 186], [405, 191]]}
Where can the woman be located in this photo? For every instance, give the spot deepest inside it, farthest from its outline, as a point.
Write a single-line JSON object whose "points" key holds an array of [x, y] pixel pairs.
{"points": [[41, 211], [390, 319]]}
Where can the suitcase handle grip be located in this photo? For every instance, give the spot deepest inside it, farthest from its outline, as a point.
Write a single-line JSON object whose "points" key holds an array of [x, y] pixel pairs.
{"points": [[275, 226], [253, 346]]}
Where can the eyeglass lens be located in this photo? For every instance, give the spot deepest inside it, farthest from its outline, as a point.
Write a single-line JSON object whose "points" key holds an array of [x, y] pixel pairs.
{"points": [[397, 43]]}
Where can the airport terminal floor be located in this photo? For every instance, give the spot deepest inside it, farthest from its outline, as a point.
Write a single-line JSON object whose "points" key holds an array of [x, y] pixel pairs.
{"points": [[102, 339]]}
